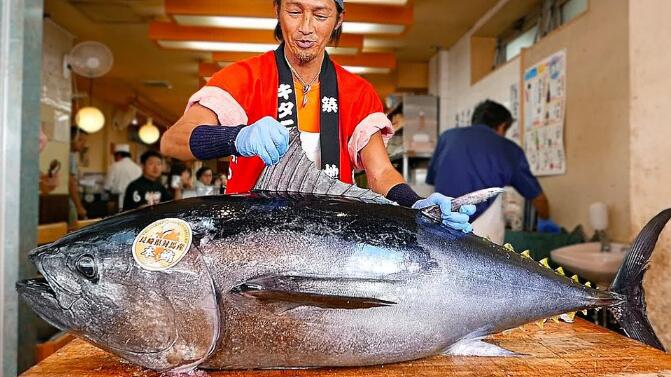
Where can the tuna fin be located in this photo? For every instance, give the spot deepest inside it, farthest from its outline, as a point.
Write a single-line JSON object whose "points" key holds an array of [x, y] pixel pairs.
{"points": [[295, 173], [568, 317], [477, 347], [294, 291], [630, 311], [526, 254]]}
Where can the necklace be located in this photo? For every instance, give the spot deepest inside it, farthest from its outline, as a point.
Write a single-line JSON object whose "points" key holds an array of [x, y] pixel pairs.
{"points": [[306, 87]]}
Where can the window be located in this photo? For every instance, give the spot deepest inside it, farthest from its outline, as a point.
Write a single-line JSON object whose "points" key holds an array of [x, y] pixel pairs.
{"points": [[571, 9], [524, 40], [550, 15]]}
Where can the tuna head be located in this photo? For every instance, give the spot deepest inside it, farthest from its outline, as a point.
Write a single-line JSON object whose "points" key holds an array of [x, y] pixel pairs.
{"points": [[162, 319]]}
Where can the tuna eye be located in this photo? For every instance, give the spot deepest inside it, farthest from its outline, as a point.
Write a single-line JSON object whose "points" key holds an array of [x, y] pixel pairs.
{"points": [[87, 266]]}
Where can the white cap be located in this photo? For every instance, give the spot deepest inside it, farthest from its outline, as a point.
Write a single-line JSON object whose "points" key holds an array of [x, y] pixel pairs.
{"points": [[122, 148]]}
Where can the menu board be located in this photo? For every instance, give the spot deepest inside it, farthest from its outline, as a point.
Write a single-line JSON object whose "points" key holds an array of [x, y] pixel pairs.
{"points": [[544, 96]]}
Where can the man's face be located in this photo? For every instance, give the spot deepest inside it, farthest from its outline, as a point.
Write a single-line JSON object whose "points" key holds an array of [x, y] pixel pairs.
{"points": [[153, 168], [307, 26], [206, 177]]}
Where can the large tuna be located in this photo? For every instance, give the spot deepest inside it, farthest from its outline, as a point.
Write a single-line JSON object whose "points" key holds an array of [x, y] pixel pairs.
{"points": [[286, 280]]}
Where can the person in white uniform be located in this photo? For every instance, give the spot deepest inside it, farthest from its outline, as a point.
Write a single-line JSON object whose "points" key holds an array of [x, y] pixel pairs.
{"points": [[122, 172]]}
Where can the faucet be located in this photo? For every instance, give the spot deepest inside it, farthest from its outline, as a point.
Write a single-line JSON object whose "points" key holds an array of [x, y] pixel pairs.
{"points": [[605, 241]]}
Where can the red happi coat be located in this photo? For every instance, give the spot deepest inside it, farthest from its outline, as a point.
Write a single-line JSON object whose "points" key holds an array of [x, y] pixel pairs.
{"points": [[247, 92]]}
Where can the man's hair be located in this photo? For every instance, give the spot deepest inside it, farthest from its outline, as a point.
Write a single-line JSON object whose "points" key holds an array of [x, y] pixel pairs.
{"points": [[74, 131], [491, 114], [122, 154], [202, 171], [148, 154], [335, 36]]}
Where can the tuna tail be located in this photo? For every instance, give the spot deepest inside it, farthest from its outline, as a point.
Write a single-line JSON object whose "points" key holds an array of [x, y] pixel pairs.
{"points": [[630, 312]]}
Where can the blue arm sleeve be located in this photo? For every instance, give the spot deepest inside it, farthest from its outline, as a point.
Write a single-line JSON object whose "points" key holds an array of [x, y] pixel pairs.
{"points": [[210, 142], [523, 180]]}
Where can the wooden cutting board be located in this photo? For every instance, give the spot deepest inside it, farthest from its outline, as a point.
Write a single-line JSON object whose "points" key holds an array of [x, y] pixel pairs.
{"points": [[559, 349]]}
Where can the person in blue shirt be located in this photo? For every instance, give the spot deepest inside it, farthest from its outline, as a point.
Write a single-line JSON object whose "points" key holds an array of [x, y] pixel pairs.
{"points": [[477, 157]]}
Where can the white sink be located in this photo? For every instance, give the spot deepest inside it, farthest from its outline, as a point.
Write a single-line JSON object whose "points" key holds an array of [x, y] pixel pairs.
{"points": [[587, 260]]}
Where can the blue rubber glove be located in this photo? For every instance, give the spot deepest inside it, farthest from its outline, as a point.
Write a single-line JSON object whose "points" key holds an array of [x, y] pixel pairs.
{"points": [[547, 226], [266, 138], [455, 220]]}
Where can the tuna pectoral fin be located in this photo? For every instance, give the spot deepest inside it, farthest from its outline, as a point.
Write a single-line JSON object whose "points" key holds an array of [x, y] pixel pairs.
{"points": [[630, 312], [294, 291], [477, 347]]}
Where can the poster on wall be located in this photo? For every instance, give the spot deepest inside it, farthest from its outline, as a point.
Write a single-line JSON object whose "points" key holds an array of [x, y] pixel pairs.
{"points": [[544, 110], [513, 132]]}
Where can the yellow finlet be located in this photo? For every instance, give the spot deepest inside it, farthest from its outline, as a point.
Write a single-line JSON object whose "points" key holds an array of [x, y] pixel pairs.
{"points": [[588, 285], [568, 317], [544, 262], [541, 323], [509, 247], [560, 271], [584, 311], [526, 254], [555, 319], [575, 279]]}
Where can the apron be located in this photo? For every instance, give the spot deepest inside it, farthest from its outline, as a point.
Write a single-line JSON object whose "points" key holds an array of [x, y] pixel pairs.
{"points": [[491, 223]]}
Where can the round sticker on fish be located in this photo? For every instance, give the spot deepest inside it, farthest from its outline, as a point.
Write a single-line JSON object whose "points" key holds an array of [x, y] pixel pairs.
{"points": [[162, 244]]}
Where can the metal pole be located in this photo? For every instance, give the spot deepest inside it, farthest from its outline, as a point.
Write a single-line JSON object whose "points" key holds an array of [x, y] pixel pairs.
{"points": [[29, 197], [20, 56], [11, 75]]}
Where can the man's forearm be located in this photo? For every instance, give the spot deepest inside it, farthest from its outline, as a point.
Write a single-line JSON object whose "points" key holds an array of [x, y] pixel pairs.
{"points": [[542, 206], [73, 189], [383, 181], [175, 141]]}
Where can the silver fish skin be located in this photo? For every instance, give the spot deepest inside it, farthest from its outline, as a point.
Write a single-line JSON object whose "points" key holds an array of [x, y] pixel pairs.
{"points": [[295, 281], [476, 197]]}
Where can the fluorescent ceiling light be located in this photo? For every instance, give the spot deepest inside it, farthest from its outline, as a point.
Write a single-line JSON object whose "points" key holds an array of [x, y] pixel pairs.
{"points": [[367, 70], [355, 70], [256, 23], [259, 23], [371, 28], [240, 47], [218, 46]]}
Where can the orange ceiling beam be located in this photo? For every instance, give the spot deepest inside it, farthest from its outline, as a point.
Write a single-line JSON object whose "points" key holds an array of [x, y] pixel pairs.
{"points": [[208, 69], [376, 60], [230, 57], [172, 32], [384, 14]]}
